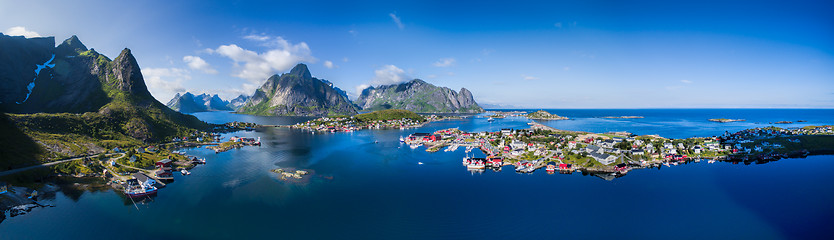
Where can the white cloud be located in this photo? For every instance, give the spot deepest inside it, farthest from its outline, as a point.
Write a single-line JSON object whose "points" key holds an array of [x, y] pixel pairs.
{"points": [[528, 77], [397, 20], [558, 24], [256, 67], [345, 59], [329, 64], [566, 68], [198, 63], [360, 88], [353, 32], [445, 62], [163, 83], [21, 31], [256, 37], [388, 74], [686, 81]]}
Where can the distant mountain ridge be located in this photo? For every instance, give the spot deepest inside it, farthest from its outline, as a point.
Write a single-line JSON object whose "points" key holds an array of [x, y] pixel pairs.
{"points": [[188, 103], [238, 102], [418, 96], [298, 93]]}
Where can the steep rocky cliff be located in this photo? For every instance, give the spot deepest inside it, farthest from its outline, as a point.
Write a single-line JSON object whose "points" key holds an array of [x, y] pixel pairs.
{"points": [[297, 93], [418, 96]]}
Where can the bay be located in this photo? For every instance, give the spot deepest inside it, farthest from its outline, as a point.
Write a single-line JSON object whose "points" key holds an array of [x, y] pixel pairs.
{"points": [[366, 190]]}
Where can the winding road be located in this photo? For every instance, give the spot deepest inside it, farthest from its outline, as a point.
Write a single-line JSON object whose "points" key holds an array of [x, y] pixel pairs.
{"points": [[13, 171]]}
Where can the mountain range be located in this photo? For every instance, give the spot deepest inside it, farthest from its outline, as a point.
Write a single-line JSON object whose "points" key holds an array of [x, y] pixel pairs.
{"points": [[69, 100], [297, 93], [418, 96], [187, 103]]}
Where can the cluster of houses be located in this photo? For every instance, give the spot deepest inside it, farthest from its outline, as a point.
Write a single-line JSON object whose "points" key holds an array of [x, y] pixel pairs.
{"points": [[349, 124], [163, 170], [528, 147], [757, 140]]}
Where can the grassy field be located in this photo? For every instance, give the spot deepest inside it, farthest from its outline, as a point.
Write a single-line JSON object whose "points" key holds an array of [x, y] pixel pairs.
{"points": [[389, 114]]}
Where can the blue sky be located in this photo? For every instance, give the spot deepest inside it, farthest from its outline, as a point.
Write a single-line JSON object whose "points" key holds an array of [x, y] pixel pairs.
{"points": [[575, 54]]}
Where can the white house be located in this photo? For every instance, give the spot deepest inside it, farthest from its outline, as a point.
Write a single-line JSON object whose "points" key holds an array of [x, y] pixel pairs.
{"points": [[603, 158]]}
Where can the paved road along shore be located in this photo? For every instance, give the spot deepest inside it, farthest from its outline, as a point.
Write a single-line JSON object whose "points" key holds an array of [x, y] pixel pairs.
{"points": [[13, 171]]}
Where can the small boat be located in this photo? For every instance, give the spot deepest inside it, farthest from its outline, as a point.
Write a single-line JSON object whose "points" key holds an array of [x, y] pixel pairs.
{"points": [[476, 165], [490, 119], [419, 163], [185, 172], [666, 164], [711, 161], [402, 139], [134, 189], [414, 146]]}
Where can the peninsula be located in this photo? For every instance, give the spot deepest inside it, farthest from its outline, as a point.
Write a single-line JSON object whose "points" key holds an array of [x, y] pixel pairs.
{"points": [[382, 119], [568, 151]]}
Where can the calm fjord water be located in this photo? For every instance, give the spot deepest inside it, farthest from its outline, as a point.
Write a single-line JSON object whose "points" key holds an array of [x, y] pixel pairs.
{"points": [[367, 190]]}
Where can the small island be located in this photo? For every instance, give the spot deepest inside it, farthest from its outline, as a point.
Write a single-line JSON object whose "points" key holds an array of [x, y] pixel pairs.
{"points": [[725, 120], [624, 117], [543, 115]]}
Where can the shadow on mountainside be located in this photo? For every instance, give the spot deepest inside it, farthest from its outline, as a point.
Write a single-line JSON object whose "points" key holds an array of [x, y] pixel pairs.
{"points": [[16, 148]]}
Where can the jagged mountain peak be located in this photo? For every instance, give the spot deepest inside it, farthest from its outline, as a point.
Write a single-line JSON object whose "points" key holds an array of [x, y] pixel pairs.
{"points": [[301, 71], [297, 93], [70, 47], [128, 75]]}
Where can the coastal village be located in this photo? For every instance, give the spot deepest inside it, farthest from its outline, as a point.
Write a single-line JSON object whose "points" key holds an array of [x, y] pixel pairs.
{"points": [[605, 154], [138, 171], [612, 155], [141, 171]]}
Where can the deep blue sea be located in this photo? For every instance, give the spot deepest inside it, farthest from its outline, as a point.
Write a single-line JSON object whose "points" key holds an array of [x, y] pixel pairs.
{"points": [[366, 190]]}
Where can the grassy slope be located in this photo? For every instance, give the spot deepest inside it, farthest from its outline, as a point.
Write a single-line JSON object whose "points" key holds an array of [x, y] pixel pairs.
{"points": [[125, 120], [389, 114]]}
